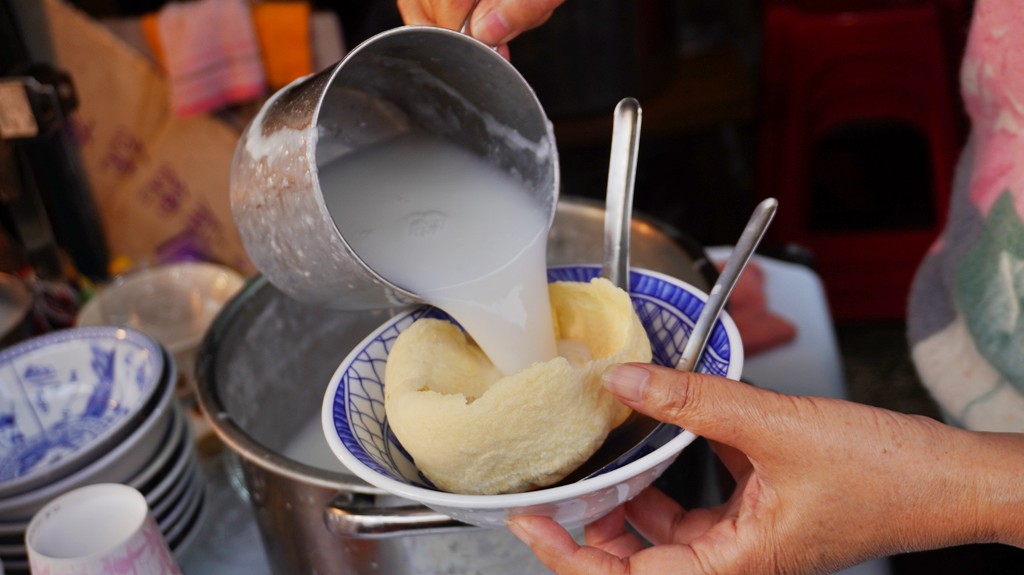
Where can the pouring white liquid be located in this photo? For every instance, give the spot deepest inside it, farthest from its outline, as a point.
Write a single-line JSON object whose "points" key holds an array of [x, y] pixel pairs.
{"points": [[309, 446], [460, 233]]}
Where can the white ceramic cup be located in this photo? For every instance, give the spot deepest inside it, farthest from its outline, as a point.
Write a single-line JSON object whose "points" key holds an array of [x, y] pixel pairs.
{"points": [[101, 529]]}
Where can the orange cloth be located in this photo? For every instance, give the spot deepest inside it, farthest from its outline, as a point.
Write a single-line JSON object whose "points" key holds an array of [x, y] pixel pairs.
{"points": [[282, 30], [151, 32]]}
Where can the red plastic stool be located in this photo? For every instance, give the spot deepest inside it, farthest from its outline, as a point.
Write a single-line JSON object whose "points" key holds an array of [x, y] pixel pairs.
{"points": [[858, 142]]}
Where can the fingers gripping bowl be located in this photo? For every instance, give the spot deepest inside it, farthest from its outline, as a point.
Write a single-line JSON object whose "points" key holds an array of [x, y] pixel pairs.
{"points": [[358, 433]]}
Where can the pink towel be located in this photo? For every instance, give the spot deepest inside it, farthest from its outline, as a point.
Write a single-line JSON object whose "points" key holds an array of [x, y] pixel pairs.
{"points": [[965, 318], [211, 54]]}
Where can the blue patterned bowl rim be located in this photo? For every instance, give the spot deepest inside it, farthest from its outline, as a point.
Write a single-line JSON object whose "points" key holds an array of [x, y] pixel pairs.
{"points": [[645, 284], [151, 370]]}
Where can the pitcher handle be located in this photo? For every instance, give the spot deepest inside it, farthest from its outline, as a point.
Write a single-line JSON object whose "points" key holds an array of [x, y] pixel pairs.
{"points": [[465, 23]]}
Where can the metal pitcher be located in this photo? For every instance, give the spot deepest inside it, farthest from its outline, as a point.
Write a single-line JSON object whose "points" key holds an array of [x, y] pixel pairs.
{"points": [[438, 81]]}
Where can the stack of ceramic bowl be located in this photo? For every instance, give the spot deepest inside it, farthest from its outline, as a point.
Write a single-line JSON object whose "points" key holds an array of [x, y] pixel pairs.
{"points": [[93, 405], [173, 303]]}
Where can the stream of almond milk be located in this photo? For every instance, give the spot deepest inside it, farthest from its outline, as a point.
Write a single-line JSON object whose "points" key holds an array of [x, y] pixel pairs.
{"points": [[462, 234]]}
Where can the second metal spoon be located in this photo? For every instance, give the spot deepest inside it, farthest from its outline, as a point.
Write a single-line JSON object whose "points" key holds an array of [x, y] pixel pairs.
{"points": [[634, 433]]}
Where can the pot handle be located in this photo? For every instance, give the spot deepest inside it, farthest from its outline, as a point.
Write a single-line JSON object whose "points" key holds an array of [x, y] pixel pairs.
{"points": [[356, 517]]}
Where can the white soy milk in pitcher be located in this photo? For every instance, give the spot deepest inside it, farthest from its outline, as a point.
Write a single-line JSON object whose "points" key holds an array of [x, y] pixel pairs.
{"points": [[462, 234]]}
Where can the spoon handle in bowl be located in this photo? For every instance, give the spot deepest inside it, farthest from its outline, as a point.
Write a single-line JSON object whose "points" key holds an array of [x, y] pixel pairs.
{"points": [[619, 199], [734, 266]]}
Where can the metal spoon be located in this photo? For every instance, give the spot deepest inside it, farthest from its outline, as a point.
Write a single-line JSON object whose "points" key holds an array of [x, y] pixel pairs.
{"points": [[634, 433], [618, 217], [618, 210], [734, 266]]}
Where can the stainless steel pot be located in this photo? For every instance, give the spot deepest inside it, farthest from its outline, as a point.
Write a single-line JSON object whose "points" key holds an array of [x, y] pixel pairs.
{"points": [[261, 375]]}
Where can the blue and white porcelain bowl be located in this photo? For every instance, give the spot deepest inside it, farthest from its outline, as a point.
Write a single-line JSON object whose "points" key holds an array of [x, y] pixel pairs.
{"points": [[67, 397], [119, 462], [357, 430]]}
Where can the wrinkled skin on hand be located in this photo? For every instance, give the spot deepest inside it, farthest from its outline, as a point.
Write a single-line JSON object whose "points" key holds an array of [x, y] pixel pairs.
{"points": [[493, 22], [822, 484]]}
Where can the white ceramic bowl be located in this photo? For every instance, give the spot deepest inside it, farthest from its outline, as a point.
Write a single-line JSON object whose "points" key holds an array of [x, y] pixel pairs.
{"points": [[183, 505], [171, 447], [68, 396], [172, 483], [118, 464], [357, 432], [174, 303], [181, 533], [181, 536]]}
